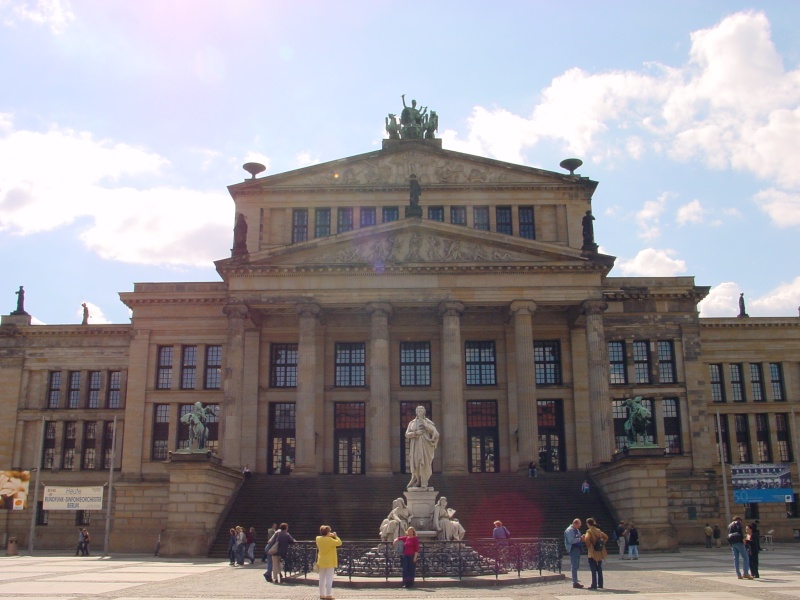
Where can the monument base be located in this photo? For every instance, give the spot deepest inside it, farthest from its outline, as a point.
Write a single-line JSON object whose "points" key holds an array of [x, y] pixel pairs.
{"points": [[421, 502]]}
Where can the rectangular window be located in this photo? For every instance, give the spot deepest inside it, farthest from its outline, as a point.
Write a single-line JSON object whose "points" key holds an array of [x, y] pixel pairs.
{"points": [[74, 389], [213, 377], [527, 227], [49, 454], [42, 515], [89, 445], [480, 218], [757, 382], [721, 431], [344, 221], [784, 438], [503, 216], [351, 366], [737, 382], [368, 216], [283, 365], [390, 213], [717, 385], [742, 438], [763, 446], [666, 362], [480, 363], [672, 426], [322, 222], [93, 397], [299, 225], [68, 453], [160, 432], [547, 361], [616, 363], [458, 215], [164, 368], [54, 389], [415, 363], [641, 362], [436, 213], [114, 392], [776, 379], [83, 518], [188, 367], [108, 444]]}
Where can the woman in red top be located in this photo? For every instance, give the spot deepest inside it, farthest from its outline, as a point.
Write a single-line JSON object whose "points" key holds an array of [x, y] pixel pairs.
{"points": [[410, 554]]}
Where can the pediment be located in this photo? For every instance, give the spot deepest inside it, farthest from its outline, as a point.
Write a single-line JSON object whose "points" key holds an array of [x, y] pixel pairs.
{"points": [[392, 166], [416, 242]]}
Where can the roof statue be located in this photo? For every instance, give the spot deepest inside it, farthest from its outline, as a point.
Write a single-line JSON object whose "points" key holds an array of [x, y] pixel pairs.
{"points": [[415, 123], [20, 302]]}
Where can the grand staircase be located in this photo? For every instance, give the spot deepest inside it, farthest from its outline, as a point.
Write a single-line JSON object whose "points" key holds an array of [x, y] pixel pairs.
{"points": [[355, 505]]}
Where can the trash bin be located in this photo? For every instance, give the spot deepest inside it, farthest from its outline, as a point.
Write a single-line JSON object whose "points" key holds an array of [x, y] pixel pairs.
{"points": [[11, 548]]}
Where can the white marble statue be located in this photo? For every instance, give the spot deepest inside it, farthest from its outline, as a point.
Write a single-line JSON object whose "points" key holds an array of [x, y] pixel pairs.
{"points": [[396, 523], [424, 439], [446, 526]]}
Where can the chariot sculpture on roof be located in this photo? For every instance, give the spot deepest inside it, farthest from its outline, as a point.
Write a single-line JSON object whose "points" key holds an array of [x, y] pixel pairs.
{"points": [[416, 123]]}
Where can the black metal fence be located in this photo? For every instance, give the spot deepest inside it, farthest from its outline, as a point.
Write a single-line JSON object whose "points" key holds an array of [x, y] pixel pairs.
{"points": [[469, 558]]}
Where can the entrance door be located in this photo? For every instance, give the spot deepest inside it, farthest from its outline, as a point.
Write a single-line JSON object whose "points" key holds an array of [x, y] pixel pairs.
{"points": [[281, 438], [349, 434], [408, 412], [551, 435], [483, 436]]}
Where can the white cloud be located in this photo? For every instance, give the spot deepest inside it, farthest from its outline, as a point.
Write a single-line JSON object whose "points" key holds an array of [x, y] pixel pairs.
{"points": [[783, 301], [722, 301], [51, 179], [782, 207], [304, 159], [692, 212], [648, 218], [55, 13], [96, 316], [653, 263]]}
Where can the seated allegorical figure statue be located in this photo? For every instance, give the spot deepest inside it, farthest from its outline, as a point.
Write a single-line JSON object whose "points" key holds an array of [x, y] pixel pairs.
{"points": [[447, 527], [396, 522]]}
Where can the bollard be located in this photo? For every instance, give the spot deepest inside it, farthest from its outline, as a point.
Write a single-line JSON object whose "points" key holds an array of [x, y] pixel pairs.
{"points": [[11, 548]]}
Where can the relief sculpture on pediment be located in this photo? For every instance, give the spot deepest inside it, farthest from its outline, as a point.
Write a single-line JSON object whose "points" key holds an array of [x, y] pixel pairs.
{"points": [[416, 247]]}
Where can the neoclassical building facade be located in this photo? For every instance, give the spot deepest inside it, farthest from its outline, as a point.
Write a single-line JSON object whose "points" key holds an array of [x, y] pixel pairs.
{"points": [[350, 298]]}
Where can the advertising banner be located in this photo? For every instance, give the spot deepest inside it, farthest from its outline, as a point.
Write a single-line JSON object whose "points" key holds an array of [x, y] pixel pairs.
{"points": [[14, 489], [761, 483], [73, 498]]}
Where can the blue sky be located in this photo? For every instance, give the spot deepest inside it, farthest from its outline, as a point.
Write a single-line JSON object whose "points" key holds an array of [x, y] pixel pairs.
{"points": [[122, 123]]}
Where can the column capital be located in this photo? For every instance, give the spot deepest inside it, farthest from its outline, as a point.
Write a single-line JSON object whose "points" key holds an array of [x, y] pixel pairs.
{"points": [[379, 307], [450, 308], [594, 307], [523, 307], [307, 309], [235, 311]]}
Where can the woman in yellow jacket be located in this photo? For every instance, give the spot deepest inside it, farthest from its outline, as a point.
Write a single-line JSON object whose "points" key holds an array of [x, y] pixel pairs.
{"points": [[595, 541], [327, 560]]}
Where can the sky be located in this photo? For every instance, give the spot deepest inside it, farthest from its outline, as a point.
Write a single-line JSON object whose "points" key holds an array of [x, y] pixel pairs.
{"points": [[122, 124]]}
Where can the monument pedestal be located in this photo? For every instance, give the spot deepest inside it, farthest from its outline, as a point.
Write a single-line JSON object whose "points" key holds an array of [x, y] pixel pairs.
{"points": [[421, 502]]}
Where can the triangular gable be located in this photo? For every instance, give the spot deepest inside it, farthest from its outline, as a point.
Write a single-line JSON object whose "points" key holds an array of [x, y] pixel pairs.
{"points": [[416, 242], [392, 166]]}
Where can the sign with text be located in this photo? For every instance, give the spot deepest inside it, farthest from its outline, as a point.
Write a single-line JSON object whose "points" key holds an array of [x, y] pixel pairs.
{"points": [[73, 498], [14, 489], [761, 483]]}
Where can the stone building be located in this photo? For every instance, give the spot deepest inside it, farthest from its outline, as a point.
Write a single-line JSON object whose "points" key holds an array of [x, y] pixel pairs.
{"points": [[350, 298]]}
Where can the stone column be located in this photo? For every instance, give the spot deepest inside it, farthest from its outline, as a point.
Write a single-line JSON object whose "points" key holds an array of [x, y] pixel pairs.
{"points": [[599, 399], [527, 417], [135, 417], [453, 442], [305, 425], [232, 387], [378, 433]]}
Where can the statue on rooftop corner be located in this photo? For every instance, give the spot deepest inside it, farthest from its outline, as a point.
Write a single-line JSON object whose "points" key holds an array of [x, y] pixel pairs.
{"points": [[423, 438], [239, 236], [588, 232], [85, 314], [392, 127], [431, 125], [20, 301], [197, 419], [742, 311]]}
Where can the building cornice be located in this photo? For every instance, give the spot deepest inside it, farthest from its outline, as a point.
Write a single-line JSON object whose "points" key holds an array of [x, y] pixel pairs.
{"points": [[749, 322]]}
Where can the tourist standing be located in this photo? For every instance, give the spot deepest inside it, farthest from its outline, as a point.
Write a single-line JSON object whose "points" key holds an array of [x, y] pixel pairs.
{"points": [[281, 539], [596, 548], [633, 542], [86, 540], [709, 532], [408, 561], [241, 544], [327, 560], [251, 545], [622, 538], [572, 542], [79, 548], [736, 541], [717, 536], [500, 533], [752, 544], [232, 546]]}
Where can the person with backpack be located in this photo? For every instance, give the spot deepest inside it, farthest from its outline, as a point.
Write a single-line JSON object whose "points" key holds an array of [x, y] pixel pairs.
{"points": [[595, 541], [736, 541]]}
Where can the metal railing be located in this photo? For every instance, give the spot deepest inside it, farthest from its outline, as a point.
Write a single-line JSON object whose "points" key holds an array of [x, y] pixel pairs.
{"points": [[468, 558]]}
